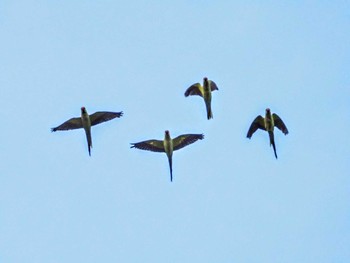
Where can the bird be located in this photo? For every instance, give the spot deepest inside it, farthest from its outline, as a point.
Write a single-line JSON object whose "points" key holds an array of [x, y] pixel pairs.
{"points": [[205, 92], [168, 145], [86, 121], [267, 124]]}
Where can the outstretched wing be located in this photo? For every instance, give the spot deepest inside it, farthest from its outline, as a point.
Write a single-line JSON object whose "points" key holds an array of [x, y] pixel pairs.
{"points": [[71, 124], [102, 116], [195, 89], [258, 123], [186, 139], [213, 85], [150, 145], [279, 123]]}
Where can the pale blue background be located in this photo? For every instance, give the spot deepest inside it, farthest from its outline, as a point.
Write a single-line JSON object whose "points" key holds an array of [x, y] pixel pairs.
{"points": [[231, 200]]}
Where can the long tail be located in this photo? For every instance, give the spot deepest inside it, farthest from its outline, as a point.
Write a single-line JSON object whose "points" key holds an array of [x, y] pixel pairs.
{"points": [[272, 142], [209, 112], [171, 167], [89, 140]]}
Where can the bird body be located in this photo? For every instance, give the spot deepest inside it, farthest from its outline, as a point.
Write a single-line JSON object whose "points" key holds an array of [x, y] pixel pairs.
{"points": [[205, 92], [168, 148], [207, 97], [86, 121], [268, 123], [168, 145]]}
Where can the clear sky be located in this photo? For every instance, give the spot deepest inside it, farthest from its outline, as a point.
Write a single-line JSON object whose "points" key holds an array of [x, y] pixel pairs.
{"points": [[231, 200]]}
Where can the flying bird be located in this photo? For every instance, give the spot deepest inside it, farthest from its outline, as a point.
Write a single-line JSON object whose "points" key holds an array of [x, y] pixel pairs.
{"points": [[86, 121], [205, 92], [168, 145], [267, 124]]}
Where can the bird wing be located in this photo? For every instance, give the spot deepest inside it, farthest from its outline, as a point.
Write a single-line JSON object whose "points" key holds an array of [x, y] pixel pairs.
{"points": [[258, 123], [213, 85], [71, 124], [150, 145], [102, 116], [279, 123], [195, 89], [186, 139]]}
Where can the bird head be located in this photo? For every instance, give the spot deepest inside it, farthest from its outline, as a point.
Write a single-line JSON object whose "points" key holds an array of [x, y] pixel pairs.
{"points": [[83, 110], [167, 135], [268, 110]]}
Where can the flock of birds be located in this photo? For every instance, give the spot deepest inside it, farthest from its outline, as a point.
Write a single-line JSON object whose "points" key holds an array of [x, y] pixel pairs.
{"points": [[168, 145]]}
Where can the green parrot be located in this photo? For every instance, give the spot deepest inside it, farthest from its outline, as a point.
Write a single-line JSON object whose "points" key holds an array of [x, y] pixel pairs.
{"points": [[205, 92], [168, 145], [86, 121], [267, 124]]}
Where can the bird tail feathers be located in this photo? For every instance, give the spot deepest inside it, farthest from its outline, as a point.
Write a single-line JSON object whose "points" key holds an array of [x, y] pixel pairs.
{"points": [[171, 168], [272, 142], [209, 112], [89, 141]]}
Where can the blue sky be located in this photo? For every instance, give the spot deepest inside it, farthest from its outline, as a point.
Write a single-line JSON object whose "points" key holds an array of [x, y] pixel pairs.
{"points": [[231, 200]]}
